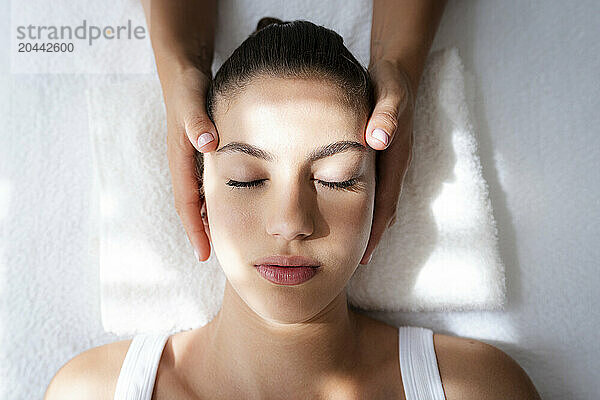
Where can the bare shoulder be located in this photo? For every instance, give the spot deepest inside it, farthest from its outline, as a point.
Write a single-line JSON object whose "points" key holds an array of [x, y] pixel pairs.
{"points": [[472, 369], [91, 375]]}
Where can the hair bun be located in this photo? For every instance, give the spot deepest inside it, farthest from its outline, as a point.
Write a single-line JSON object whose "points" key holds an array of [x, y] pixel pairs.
{"points": [[268, 21]]}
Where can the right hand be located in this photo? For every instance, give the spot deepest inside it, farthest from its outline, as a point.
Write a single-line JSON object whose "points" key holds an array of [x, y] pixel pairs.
{"points": [[185, 100]]}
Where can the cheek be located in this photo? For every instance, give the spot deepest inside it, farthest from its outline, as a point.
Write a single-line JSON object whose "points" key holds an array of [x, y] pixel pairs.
{"points": [[233, 231], [230, 217], [350, 215], [349, 220]]}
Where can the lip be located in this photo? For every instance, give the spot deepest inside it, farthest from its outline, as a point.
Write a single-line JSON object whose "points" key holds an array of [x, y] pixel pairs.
{"points": [[287, 269], [287, 261], [293, 275]]}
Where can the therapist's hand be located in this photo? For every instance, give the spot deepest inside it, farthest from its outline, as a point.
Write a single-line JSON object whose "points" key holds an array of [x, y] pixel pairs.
{"points": [[187, 122], [393, 114], [182, 35]]}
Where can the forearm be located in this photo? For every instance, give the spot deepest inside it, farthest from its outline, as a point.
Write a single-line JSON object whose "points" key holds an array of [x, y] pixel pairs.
{"points": [[182, 33], [402, 32]]}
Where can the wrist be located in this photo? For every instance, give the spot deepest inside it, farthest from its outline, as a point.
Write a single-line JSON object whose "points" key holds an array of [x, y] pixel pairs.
{"points": [[175, 61], [181, 73], [407, 57]]}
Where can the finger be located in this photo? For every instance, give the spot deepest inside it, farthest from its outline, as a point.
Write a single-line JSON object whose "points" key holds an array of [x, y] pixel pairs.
{"points": [[188, 101], [201, 132], [392, 165], [383, 218], [382, 124], [393, 96], [187, 195], [378, 227]]}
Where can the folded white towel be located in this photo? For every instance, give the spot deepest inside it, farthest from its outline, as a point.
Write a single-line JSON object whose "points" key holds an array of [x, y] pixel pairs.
{"points": [[441, 254]]}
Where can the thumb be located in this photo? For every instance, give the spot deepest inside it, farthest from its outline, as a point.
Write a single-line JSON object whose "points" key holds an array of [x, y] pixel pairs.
{"points": [[201, 132], [394, 101], [383, 123]]}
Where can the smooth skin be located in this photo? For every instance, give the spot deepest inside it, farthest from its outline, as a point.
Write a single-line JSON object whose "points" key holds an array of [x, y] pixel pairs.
{"points": [[182, 35]]}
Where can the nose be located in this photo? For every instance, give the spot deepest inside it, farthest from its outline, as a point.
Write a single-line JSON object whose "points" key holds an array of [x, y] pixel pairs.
{"points": [[291, 214]]}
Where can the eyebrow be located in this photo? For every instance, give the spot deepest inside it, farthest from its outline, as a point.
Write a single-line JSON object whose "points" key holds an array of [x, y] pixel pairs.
{"points": [[317, 154]]}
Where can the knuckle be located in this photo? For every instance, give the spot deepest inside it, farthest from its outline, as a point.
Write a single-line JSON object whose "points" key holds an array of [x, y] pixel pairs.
{"points": [[389, 118], [196, 124]]}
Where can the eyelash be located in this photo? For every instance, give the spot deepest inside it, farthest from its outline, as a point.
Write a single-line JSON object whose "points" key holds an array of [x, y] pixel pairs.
{"points": [[345, 185]]}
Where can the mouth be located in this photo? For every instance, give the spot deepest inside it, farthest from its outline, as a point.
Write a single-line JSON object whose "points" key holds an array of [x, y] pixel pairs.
{"points": [[286, 275], [288, 266], [285, 260]]}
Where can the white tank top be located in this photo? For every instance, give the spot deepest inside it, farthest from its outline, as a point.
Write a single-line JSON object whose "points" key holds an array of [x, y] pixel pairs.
{"points": [[418, 365]]}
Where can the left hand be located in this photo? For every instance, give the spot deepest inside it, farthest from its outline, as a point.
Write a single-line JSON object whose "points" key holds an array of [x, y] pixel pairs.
{"points": [[393, 113]]}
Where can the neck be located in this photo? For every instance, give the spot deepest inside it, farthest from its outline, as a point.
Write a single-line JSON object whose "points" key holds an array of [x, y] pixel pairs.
{"points": [[262, 355]]}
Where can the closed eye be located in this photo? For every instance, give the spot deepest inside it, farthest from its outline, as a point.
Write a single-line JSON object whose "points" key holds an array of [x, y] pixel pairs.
{"points": [[350, 183]]}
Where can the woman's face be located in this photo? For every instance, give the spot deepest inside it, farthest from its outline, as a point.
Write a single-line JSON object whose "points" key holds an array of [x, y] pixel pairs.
{"points": [[290, 210]]}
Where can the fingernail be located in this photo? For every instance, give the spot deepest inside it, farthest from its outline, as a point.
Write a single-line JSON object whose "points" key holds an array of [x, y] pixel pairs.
{"points": [[369, 260], [380, 135], [196, 254], [205, 138]]}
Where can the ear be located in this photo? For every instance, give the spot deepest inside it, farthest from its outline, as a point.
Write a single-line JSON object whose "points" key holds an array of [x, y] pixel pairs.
{"points": [[204, 216]]}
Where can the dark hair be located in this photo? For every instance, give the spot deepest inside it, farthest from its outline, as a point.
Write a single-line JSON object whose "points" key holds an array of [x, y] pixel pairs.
{"points": [[291, 49]]}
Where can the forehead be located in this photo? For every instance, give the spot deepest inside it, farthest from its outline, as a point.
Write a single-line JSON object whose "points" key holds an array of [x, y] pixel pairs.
{"points": [[288, 108]]}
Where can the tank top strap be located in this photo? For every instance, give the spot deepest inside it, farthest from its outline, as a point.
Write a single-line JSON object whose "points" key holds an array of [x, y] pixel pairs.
{"points": [[138, 372], [418, 364]]}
